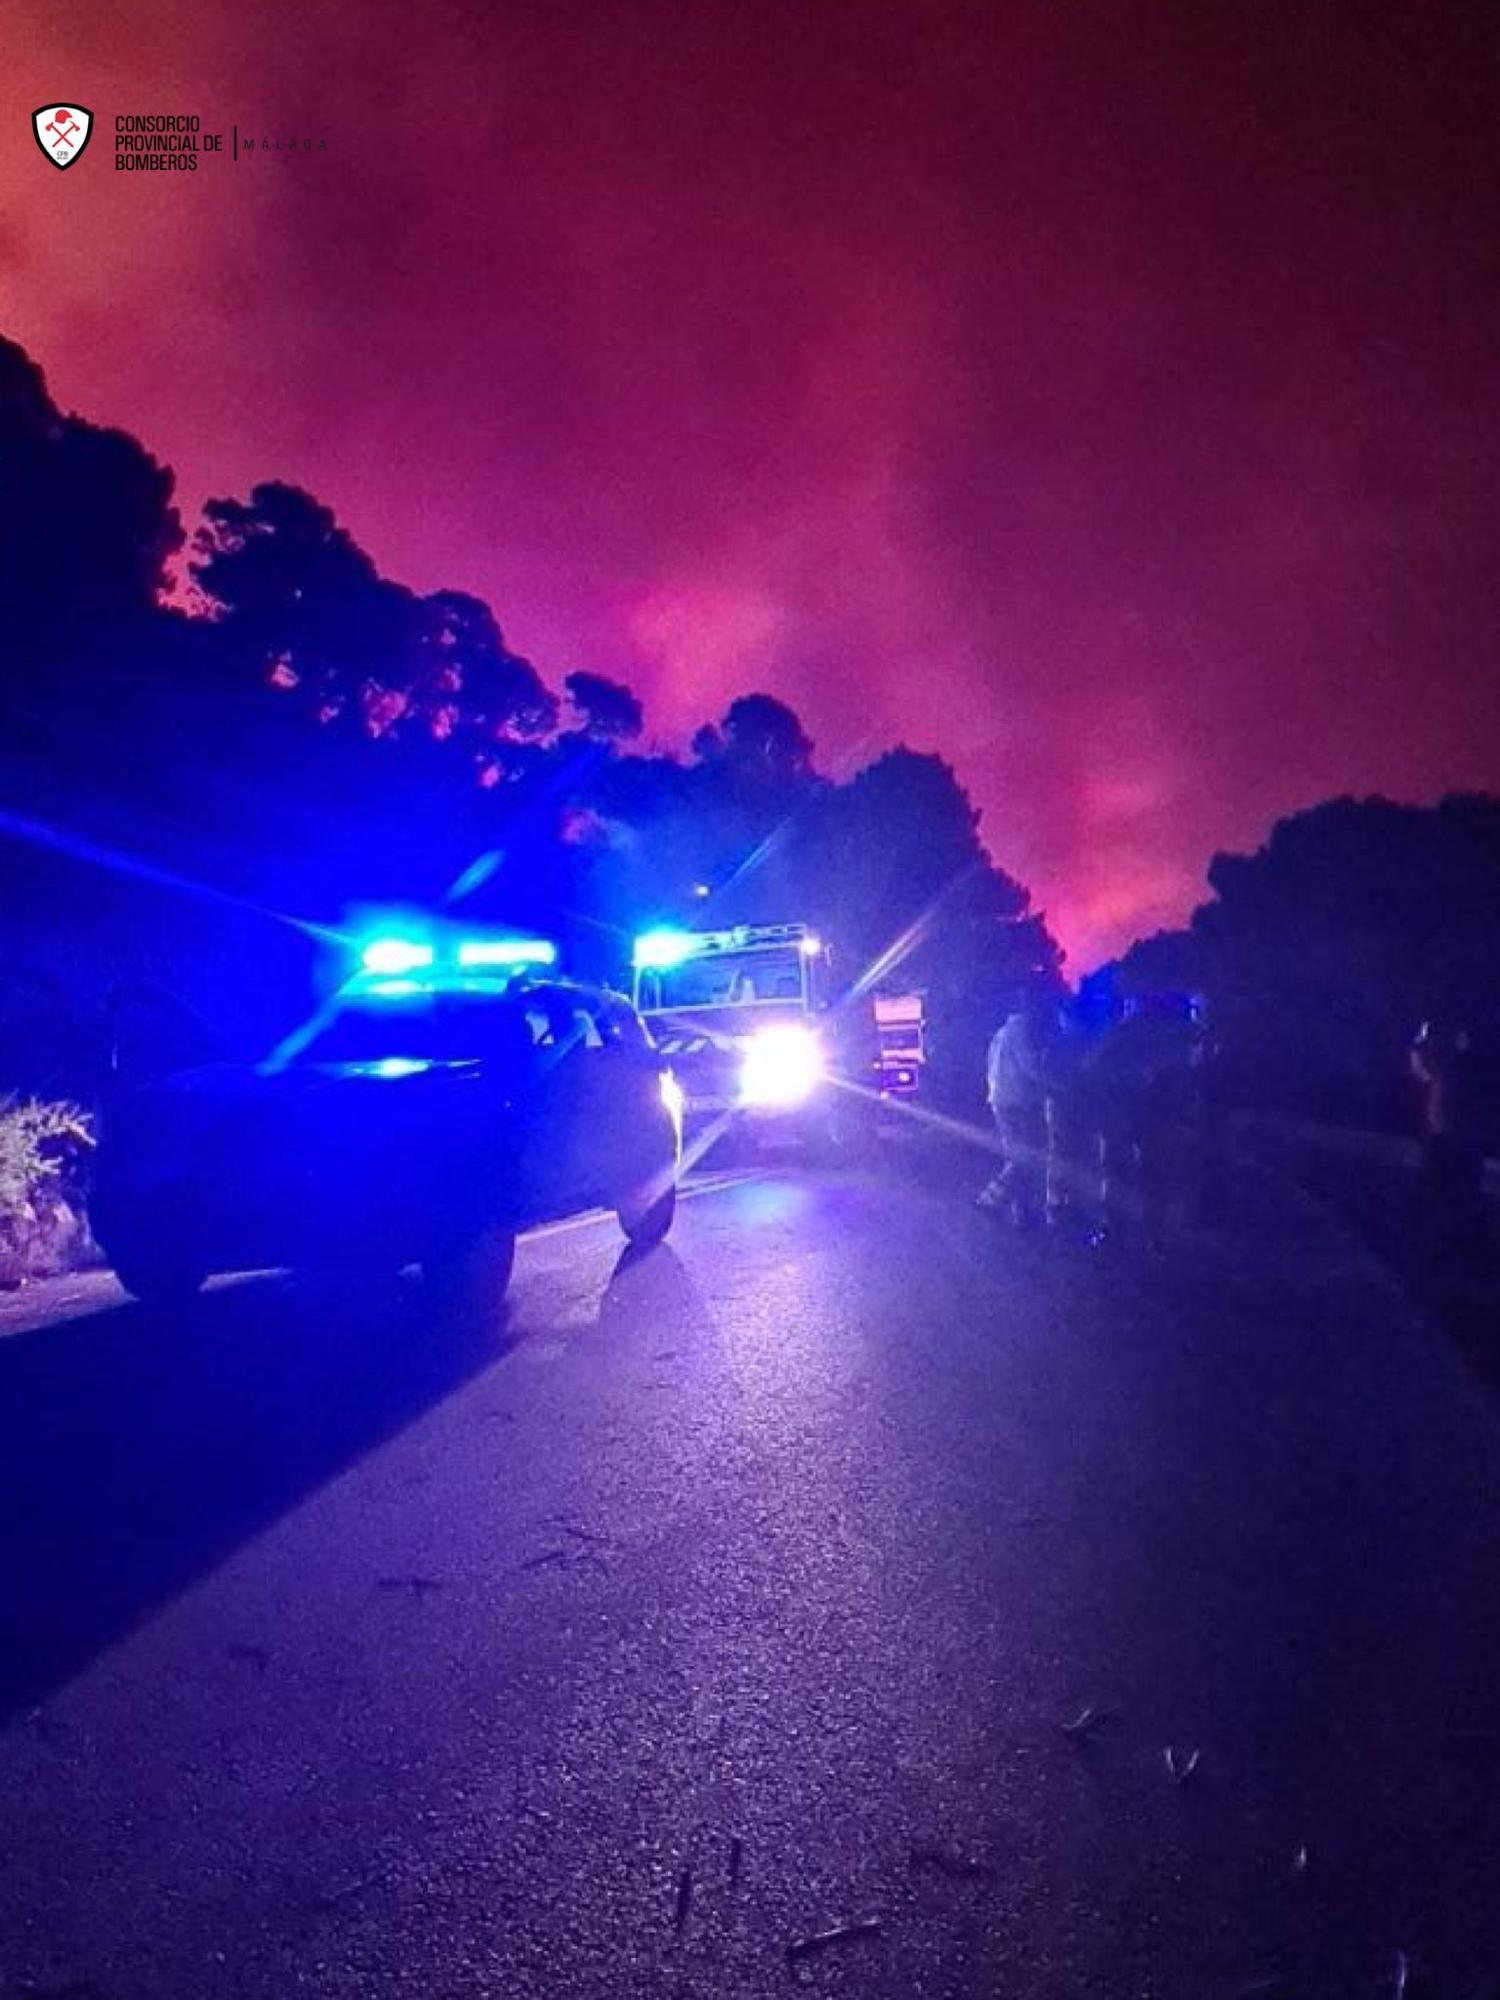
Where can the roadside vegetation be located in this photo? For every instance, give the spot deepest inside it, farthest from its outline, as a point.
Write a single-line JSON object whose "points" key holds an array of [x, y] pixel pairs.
{"points": [[43, 1227]]}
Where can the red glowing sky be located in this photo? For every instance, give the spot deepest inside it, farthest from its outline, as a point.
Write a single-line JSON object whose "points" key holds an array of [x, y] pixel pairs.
{"points": [[1101, 392]]}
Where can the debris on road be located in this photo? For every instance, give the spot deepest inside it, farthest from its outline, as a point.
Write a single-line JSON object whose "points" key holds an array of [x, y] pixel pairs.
{"points": [[1299, 1860], [1180, 1765], [579, 1534], [957, 1867], [588, 1553], [736, 1859], [1086, 1722], [684, 1901], [804, 1947], [1401, 1977], [419, 1586]]}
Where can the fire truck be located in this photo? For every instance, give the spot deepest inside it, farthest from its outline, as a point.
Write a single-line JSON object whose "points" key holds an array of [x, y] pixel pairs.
{"points": [[900, 1024], [746, 1019]]}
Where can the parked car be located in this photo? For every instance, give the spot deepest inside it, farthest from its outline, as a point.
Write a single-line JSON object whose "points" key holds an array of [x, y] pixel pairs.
{"points": [[422, 1120]]}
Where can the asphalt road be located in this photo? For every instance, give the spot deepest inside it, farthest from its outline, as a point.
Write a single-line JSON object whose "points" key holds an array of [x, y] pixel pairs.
{"points": [[714, 1601]]}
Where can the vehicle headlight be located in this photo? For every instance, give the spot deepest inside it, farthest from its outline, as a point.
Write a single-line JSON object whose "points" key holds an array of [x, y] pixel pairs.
{"points": [[672, 1097], [780, 1066]]}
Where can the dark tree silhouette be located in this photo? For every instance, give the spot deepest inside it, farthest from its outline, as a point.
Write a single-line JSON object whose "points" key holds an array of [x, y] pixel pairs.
{"points": [[759, 742], [303, 610], [604, 708], [1321, 952], [87, 531], [298, 603], [87, 525], [914, 900], [466, 682]]}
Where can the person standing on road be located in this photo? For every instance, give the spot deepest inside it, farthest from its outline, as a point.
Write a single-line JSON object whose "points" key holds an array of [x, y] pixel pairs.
{"points": [[1143, 1083], [1072, 1142], [1016, 1087], [1444, 1059], [1210, 1151]]}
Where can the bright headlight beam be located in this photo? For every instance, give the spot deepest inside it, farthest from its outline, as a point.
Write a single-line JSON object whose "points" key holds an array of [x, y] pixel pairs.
{"points": [[780, 1067], [672, 1097]]}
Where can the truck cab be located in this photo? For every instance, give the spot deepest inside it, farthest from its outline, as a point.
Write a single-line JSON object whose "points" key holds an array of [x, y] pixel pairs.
{"points": [[744, 1017]]}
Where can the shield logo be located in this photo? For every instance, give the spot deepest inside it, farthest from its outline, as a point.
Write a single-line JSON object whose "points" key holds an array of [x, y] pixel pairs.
{"points": [[62, 131]]}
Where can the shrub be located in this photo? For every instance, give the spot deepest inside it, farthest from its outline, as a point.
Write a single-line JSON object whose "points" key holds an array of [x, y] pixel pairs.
{"points": [[43, 1228]]}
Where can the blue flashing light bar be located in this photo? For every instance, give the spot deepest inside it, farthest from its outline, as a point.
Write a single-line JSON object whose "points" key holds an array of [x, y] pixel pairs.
{"points": [[395, 957], [507, 952], [659, 951]]}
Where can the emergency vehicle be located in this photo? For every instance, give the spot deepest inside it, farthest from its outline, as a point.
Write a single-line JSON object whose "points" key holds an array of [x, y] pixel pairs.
{"points": [[900, 1024], [745, 1018], [454, 1092]]}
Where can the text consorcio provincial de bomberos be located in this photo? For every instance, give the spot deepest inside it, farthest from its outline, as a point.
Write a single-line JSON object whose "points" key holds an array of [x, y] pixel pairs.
{"points": [[161, 142]]}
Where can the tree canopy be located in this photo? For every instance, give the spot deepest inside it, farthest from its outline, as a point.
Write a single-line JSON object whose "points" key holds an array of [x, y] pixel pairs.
{"points": [[1322, 951], [87, 525], [302, 609]]}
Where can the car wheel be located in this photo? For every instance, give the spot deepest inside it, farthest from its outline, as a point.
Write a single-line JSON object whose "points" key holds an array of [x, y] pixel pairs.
{"points": [[647, 1216], [159, 1281], [474, 1272]]}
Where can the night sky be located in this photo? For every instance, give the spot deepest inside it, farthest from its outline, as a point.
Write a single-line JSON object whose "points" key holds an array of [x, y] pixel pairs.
{"points": [[1103, 395]]}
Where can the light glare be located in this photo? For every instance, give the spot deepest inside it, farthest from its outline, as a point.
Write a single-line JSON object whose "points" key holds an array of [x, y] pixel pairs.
{"points": [[672, 1097], [507, 951], [394, 956], [659, 951], [781, 1066]]}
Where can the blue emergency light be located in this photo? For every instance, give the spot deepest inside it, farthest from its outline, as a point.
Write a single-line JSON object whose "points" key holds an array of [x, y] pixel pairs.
{"points": [[506, 952], [395, 957], [392, 967], [659, 951]]}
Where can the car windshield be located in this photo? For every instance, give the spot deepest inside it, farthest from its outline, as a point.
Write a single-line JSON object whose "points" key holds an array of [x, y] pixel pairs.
{"points": [[440, 1027], [727, 979]]}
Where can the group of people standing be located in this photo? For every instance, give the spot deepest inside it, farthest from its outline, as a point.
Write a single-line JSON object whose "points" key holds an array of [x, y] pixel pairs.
{"points": [[1110, 1120], [1104, 1119]]}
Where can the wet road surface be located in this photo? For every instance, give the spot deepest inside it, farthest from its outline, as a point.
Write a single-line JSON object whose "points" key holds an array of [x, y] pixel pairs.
{"points": [[711, 1602]]}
